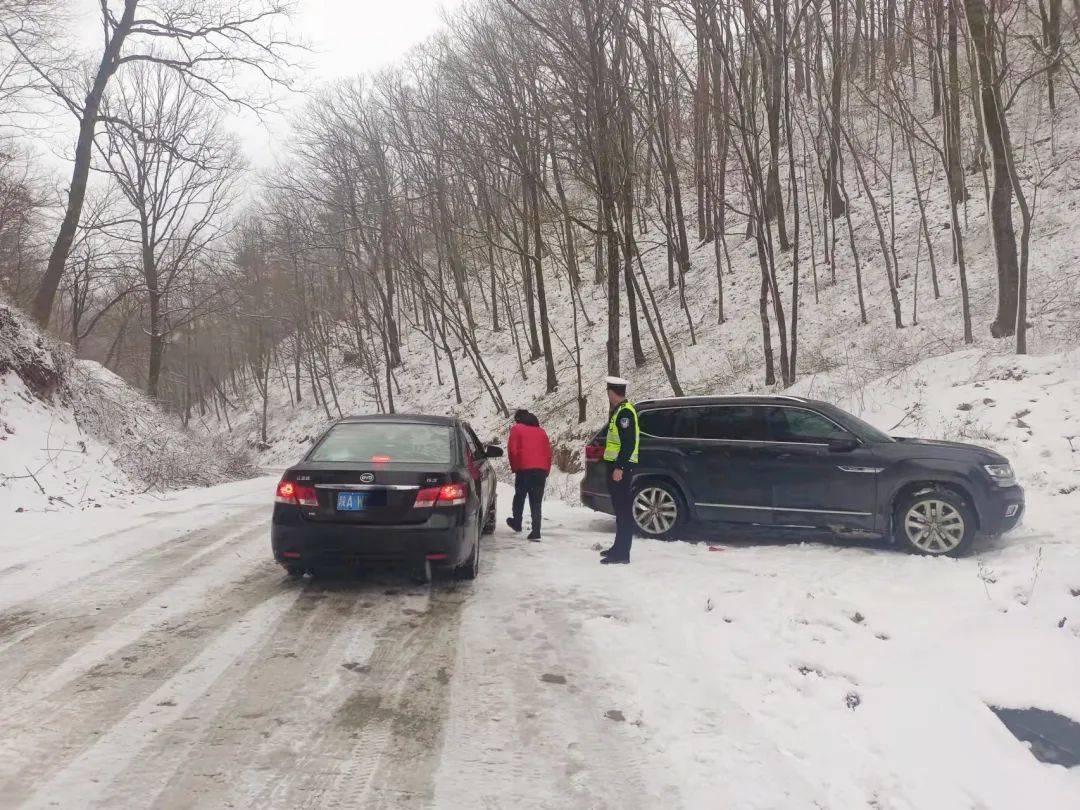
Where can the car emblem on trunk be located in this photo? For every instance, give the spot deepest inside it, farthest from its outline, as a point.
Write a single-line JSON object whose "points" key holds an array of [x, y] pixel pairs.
{"points": [[367, 478]]}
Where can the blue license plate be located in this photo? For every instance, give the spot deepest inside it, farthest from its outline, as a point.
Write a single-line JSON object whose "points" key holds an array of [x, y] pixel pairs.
{"points": [[352, 501]]}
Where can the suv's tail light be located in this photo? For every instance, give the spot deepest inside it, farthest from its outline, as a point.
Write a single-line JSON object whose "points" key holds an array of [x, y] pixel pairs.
{"points": [[291, 492], [593, 452], [446, 495]]}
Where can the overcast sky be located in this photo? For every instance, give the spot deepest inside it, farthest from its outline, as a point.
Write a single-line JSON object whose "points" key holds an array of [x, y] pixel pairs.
{"points": [[347, 37]]}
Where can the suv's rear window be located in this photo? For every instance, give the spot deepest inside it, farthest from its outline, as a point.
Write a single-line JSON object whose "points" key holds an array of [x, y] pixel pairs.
{"points": [[385, 441], [673, 423]]}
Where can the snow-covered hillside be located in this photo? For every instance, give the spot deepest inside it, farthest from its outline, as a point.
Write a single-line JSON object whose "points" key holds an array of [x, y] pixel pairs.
{"points": [[839, 358], [73, 434]]}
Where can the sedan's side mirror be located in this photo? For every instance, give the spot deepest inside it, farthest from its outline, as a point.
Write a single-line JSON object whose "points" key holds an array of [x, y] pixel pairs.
{"points": [[845, 445], [493, 451]]}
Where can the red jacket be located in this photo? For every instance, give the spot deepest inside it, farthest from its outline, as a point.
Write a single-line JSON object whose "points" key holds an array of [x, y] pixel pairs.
{"points": [[529, 448]]}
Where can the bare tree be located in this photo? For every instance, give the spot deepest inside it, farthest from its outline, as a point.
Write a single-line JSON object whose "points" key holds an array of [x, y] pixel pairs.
{"points": [[178, 171], [202, 42]]}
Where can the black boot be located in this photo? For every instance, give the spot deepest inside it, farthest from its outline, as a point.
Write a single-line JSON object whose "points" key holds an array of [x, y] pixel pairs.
{"points": [[534, 535], [612, 559], [607, 551], [514, 527]]}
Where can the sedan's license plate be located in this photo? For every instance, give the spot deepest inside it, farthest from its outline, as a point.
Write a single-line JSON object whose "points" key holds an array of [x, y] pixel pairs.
{"points": [[352, 501]]}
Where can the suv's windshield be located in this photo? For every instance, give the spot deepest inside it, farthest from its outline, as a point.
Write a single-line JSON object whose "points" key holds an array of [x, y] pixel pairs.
{"points": [[385, 442]]}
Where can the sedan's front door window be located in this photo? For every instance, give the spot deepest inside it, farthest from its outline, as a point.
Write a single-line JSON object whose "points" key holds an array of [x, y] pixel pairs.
{"points": [[477, 446]]}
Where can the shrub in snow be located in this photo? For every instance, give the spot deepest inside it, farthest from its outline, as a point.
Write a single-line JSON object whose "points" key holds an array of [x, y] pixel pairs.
{"points": [[146, 444]]}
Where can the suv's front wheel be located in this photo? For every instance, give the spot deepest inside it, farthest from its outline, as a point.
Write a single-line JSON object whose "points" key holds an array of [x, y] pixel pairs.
{"points": [[936, 522], [659, 509]]}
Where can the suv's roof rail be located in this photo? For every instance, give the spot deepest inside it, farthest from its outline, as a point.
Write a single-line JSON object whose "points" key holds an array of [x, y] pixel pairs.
{"points": [[785, 397]]}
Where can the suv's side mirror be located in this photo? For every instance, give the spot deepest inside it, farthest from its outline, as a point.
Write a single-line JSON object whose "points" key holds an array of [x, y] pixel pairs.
{"points": [[493, 451], [845, 445]]}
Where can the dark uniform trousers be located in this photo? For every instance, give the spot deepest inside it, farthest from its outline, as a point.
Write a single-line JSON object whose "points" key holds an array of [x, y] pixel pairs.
{"points": [[622, 502]]}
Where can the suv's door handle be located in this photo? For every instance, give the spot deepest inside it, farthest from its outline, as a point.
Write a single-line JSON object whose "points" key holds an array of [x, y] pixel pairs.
{"points": [[852, 469]]}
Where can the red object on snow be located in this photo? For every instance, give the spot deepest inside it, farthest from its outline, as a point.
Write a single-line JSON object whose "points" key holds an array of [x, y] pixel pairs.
{"points": [[716, 548], [529, 448]]}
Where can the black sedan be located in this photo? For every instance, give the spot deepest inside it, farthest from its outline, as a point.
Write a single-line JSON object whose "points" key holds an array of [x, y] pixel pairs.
{"points": [[418, 490]]}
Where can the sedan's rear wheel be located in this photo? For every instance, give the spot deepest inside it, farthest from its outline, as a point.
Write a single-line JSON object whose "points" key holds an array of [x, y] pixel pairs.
{"points": [[934, 522], [658, 509], [489, 521], [422, 573], [471, 567]]}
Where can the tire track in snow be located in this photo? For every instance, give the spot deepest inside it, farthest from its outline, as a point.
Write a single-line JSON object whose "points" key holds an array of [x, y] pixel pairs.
{"points": [[91, 582], [58, 715], [381, 744], [243, 733], [86, 777], [129, 601], [38, 569], [404, 775], [527, 743]]}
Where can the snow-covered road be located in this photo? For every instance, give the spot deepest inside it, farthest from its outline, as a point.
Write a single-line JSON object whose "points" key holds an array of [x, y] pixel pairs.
{"points": [[156, 657]]}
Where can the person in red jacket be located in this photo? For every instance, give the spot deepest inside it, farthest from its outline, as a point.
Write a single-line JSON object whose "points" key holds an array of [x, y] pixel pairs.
{"points": [[529, 450]]}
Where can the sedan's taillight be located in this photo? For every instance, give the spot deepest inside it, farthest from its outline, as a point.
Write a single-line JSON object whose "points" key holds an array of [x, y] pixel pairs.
{"points": [[446, 495], [291, 492]]}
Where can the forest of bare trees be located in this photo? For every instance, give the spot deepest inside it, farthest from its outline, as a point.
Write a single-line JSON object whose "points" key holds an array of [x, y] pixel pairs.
{"points": [[531, 151]]}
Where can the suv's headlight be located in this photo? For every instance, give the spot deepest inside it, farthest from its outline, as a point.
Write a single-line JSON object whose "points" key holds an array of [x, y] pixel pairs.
{"points": [[1001, 473]]}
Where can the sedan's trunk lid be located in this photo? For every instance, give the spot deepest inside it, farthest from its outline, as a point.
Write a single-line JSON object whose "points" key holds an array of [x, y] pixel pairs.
{"points": [[370, 494]]}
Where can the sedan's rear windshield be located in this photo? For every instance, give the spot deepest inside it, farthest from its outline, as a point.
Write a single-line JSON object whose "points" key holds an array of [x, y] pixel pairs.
{"points": [[365, 442]]}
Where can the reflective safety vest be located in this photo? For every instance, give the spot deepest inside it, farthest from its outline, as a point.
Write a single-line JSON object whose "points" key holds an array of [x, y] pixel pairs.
{"points": [[614, 442]]}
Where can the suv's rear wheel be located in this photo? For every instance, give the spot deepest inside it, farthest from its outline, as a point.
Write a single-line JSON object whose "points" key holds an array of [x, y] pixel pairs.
{"points": [[936, 522], [489, 521], [659, 509]]}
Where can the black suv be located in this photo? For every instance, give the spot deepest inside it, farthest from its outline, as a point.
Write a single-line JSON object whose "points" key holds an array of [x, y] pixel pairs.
{"points": [[783, 462]]}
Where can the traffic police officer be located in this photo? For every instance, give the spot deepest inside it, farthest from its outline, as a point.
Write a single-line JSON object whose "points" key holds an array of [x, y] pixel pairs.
{"points": [[621, 455]]}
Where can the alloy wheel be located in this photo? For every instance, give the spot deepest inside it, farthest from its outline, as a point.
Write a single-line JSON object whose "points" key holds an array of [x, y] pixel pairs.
{"points": [[655, 510], [934, 526]]}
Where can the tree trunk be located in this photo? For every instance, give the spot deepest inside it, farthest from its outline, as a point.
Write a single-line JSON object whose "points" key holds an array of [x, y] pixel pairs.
{"points": [[952, 111], [541, 297], [835, 202], [84, 146], [981, 26]]}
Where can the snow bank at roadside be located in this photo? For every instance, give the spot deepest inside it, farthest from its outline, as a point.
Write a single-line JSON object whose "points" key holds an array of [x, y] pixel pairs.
{"points": [[73, 434]]}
